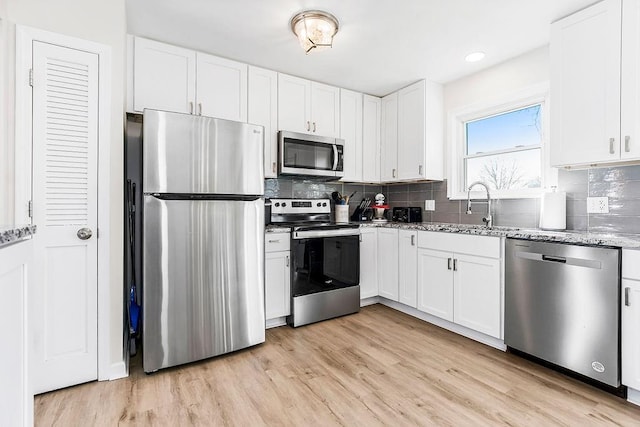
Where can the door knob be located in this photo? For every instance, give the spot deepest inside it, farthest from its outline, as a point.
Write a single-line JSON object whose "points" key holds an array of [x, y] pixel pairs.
{"points": [[84, 233]]}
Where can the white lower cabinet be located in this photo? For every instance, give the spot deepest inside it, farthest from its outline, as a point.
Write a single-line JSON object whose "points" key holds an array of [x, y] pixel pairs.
{"points": [[458, 286], [631, 319], [368, 263], [277, 276], [408, 267], [435, 283], [388, 263]]}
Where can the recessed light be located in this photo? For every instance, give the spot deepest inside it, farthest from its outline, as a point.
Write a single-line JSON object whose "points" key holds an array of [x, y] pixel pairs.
{"points": [[474, 57]]}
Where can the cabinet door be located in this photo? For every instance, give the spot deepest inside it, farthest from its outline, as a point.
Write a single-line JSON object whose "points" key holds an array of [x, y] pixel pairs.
{"points": [[164, 77], [631, 333], [408, 267], [435, 283], [389, 143], [585, 85], [411, 131], [368, 263], [477, 297], [371, 112], [325, 110], [263, 111], [388, 263], [630, 132], [351, 132], [294, 104], [277, 285], [221, 88]]}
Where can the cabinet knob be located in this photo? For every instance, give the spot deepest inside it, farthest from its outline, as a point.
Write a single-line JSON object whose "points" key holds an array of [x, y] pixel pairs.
{"points": [[611, 148], [448, 263], [393, 173], [287, 260], [627, 145], [420, 170], [308, 126], [190, 107], [199, 108], [314, 126], [413, 240]]}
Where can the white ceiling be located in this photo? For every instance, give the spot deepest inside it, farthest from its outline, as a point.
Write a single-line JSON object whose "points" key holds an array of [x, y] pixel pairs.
{"points": [[382, 45]]}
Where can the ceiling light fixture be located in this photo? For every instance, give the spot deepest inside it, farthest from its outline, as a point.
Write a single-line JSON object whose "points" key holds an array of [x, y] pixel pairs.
{"points": [[315, 29], [474, 57]]}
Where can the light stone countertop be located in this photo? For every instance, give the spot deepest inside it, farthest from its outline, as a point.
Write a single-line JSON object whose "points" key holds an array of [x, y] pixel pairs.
{"points": [[13, 233], [576, 237]]}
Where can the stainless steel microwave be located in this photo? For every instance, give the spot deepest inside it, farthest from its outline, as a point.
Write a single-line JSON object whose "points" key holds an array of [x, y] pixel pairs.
{"points": [[302, 154]]}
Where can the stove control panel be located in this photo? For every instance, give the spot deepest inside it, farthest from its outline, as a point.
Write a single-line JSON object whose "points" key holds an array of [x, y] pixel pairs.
{"points": [[300, 206]]}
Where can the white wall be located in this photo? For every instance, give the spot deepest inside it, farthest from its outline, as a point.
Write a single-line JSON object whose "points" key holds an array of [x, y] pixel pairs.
{"points": [[6, 116], [101, 21], [507, 77]]}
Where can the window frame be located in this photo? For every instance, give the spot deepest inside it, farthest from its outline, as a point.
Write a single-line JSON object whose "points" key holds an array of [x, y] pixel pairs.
{"points": [[533, 95]]}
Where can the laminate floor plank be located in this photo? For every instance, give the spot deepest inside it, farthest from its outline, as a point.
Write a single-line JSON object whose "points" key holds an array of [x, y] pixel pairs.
{"points": [[379, 367]]}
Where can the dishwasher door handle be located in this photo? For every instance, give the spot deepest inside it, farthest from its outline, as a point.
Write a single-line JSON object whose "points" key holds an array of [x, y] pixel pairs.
{"points": [[554, 259]]}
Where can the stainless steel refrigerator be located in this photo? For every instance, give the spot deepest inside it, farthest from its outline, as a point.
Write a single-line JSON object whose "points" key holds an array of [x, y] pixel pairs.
{"points": [[203, 238]]}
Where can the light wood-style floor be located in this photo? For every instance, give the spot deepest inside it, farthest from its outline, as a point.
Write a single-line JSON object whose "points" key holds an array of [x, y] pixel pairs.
{"points": [[377, 367]]}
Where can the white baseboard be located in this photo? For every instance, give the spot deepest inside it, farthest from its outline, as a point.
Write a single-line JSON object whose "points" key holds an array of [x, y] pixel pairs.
{"points": [[460, 330], [118, 370], [275, 322], [369, 301], [633, 396]]}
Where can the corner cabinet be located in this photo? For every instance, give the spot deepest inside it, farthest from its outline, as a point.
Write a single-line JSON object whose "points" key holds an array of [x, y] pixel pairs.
{"points": [[263, 111], [595, 85], [277, 278], [460, 280], [371, 116], [631, 318], [308, 107], [171, 78], [412, 134], [351, 133]]}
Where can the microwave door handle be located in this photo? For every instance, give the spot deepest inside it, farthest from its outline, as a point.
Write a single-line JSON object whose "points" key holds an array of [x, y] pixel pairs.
{"points": [[335, 157]]}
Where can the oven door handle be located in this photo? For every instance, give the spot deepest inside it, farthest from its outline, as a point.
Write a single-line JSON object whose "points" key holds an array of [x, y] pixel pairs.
{"points": [[312, 234]]}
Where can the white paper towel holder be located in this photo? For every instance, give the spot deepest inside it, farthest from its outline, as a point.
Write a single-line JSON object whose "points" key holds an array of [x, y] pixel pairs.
{"points": [[553, 210]]}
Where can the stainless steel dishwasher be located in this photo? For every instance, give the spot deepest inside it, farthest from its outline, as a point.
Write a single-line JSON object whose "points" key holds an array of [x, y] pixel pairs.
{"points": [[562, 305]]}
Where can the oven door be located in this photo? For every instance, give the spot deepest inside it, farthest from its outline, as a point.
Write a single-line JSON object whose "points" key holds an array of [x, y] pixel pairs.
{"points": [[322, 264], [302, 154]]}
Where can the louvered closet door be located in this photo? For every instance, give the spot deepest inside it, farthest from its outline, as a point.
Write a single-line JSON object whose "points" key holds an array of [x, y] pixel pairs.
{"points": [[65, 143]]}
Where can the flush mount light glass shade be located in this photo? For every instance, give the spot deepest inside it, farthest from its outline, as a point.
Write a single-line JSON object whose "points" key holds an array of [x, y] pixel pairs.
{"points": [[315, 29], [474, 57]]}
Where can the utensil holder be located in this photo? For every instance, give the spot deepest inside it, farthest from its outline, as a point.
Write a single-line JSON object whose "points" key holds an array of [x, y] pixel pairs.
{"points": [[342, 214]]}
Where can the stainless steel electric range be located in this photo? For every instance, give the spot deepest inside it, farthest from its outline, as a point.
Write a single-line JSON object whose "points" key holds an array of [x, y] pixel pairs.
{"points": [[325, 267]]}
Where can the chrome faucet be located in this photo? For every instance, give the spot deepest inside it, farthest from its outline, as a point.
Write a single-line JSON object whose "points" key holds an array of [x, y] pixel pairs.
{"points": [[487, 219]]}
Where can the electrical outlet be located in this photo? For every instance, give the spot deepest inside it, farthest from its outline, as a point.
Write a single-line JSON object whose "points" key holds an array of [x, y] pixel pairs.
{"points": [[597, 205], [429, 205]]}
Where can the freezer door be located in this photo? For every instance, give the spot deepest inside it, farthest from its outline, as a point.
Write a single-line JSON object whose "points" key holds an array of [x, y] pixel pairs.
{"points": [[203, 281], [184, 153]]}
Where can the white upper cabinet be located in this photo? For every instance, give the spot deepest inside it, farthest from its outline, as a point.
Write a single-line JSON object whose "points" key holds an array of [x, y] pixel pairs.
{"points": [[308, 107], [221, 88], [351, 133], [294, 104], [171, 78], [630, 125], [420, 137], [164, 77], [389, 144], [412, 136], [263, 111], [371, 116], [595, 85]]}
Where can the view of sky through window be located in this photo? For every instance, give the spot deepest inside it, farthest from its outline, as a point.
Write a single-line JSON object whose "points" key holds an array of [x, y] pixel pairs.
{"points": [[496, 149]]}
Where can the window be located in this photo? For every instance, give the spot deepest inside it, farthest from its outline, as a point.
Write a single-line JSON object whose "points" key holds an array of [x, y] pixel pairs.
{"points": [[502, 145]]}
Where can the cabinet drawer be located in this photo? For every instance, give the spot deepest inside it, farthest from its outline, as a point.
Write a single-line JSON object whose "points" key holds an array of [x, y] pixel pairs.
{"points": [[485, 246], [276, 242], [631, 264]]}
